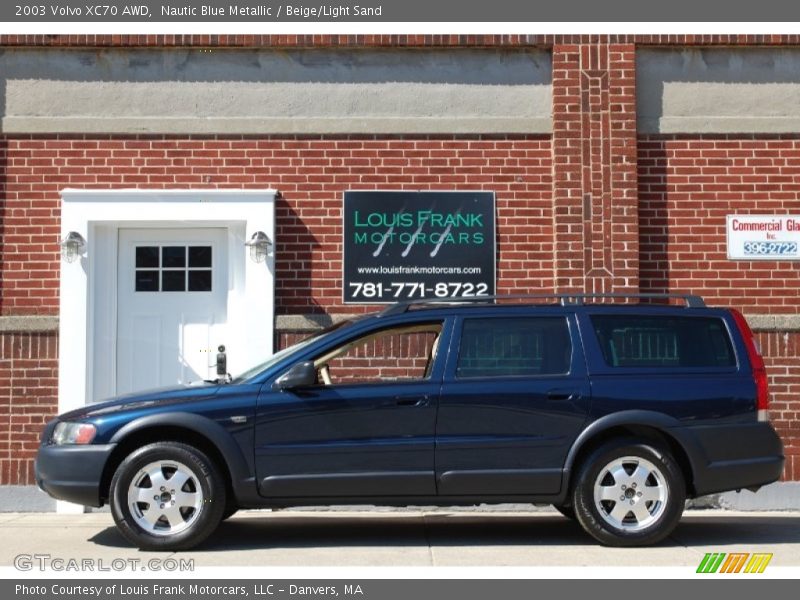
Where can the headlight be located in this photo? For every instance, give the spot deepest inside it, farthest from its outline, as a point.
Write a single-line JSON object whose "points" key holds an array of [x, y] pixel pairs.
{"points": [[73, 433]]}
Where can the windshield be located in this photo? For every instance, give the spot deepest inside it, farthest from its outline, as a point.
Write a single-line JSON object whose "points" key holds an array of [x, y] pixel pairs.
{"points": [[281, 354]]}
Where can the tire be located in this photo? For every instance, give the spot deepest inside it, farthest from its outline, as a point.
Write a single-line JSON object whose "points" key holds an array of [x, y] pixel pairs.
{"points": [[565, 510], [153, 515], [635, 474]]}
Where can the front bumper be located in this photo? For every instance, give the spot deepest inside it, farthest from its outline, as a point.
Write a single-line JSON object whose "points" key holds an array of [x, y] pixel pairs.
{"points": [[72, 473]]}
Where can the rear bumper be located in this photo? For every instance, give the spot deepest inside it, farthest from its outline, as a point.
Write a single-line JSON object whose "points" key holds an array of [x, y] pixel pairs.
{"points": [[740, 474], [732, 457], [72, 473]]}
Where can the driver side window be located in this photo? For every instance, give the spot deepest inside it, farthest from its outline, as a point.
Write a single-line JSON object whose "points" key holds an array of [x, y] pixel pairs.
{"points": [[390, 355]]}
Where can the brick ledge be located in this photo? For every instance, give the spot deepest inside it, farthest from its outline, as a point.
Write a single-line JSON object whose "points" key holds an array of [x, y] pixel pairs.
{"points": [[28, 323], [774, 322], [313, 322]]}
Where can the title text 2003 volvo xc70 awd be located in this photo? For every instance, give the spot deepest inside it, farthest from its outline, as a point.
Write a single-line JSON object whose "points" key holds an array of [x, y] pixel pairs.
{"points": [[614, 413]]}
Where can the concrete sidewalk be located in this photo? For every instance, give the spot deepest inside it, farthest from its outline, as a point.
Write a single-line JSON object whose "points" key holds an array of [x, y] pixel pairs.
{"points": [[410, 538]]}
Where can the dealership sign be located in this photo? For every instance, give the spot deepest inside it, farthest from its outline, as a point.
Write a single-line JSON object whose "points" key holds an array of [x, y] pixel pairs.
{"points": [[763, 237], [418, 245]]}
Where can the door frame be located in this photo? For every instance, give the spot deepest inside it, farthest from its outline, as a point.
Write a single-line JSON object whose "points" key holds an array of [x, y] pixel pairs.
{"points": [[88, 300]]}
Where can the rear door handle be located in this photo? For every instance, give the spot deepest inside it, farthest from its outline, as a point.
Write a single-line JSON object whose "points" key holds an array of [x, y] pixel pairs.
{"points": [[563, 395], [412, 400]]}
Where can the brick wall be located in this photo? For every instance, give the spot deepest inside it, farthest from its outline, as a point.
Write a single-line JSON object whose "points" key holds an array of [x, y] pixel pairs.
{"points": [[687, 185], [311, 173], [782, 358], [29, 375]]}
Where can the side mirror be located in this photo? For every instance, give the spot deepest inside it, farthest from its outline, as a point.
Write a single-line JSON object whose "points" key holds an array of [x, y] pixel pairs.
{"points": [[301, 374]]}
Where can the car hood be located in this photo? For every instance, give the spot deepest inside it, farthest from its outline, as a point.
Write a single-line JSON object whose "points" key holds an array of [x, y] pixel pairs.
{"points": [[160, 396]]}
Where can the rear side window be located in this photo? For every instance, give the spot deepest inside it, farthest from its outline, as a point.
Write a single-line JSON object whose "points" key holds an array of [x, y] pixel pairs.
{"points": [[663, 341], [514, 347]]}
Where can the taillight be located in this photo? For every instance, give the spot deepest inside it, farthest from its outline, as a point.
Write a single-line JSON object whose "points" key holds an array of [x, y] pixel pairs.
{"points": [[757, 364]]}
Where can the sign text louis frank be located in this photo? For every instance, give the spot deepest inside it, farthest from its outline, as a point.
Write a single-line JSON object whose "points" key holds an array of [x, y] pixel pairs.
{"points": [[763, 237]]}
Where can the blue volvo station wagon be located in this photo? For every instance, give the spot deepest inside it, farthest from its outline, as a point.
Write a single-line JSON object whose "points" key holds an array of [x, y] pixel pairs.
{"points": [[615, 413]]}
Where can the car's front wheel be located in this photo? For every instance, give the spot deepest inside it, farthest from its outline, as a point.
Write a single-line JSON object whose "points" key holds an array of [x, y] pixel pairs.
{"points": [[629, 493], [167, 496]]}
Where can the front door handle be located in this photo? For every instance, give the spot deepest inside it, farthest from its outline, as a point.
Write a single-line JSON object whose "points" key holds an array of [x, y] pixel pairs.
{"points": [[412, 400], [563, 395]]}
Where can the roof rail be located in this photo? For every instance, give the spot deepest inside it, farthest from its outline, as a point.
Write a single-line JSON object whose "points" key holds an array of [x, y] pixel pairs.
{"points": [[691, 300]]}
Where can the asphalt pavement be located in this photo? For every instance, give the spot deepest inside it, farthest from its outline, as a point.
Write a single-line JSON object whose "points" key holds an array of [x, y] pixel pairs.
{"points": [[410, 538]]}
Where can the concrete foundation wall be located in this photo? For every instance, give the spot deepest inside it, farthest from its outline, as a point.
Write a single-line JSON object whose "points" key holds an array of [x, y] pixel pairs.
{"points": [[25, 498], [274, 91], [693, 90]]}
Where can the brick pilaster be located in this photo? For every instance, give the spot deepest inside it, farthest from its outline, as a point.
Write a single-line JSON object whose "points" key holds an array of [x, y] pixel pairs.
{"points": [[594, 168]]}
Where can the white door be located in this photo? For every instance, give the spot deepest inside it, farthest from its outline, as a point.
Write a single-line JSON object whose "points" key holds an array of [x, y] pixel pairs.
{"points": [[171, 306]]}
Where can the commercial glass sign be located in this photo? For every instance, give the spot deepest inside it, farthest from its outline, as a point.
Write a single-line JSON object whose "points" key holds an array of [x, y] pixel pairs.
{"points": [[416, 245], [763, 237]]}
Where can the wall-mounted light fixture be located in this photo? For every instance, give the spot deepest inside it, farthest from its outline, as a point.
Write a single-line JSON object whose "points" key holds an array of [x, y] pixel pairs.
{"points": [[259, 245], [72, 246]]}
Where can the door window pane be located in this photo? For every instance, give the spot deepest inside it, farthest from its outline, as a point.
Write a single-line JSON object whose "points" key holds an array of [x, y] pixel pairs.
{"points": [[146, 281], [147, 256], [514, 347], [173, 281], [164, 269], [200, 256], [173, 257], [200, 281], [398, 354]]}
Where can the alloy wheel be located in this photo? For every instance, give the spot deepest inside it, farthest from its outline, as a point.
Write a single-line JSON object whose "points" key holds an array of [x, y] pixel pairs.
{"points": [[631, 493], [165, 497]]}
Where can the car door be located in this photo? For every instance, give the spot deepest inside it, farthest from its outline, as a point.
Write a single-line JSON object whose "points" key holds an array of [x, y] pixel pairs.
{"points": [[367, 427], [514, 398]]}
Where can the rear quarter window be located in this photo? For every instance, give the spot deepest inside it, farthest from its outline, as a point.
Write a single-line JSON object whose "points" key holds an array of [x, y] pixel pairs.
{"points": [[663, 341], [514, 347]]}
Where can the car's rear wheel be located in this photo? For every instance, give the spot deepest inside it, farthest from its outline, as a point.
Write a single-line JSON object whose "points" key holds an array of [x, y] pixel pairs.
{"points": [[629, 493], [167, 496]]}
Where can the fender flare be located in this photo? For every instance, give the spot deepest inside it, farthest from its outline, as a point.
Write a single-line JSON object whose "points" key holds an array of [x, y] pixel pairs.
{"points": [[241, 478], [665, 424]]}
